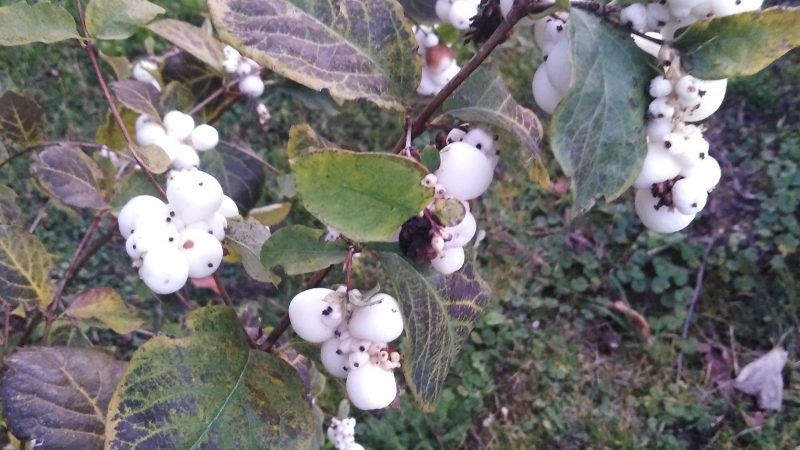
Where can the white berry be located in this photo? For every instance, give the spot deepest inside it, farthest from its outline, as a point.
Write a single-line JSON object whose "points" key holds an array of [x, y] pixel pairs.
{"points": [[461, 13], [251, 86], [462, 233], [371, 387], [689, 196], [451, 260], [634, 15], [544, 93], [661, 220], [559, 66], [381, 321], [194, 195], [305, 313], [135, 208], [204, 137], [148, 133], [658, 166], [660, 87], [464, 171], [164, 270], [228, 207], [333, 359], [178, 124]]}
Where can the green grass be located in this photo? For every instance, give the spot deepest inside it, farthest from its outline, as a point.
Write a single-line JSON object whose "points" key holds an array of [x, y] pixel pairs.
{"points": [[549, 365]]}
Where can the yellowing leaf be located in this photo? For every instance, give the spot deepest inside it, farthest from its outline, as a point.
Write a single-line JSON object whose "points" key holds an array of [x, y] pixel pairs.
{"points": [[70, 176], [24, 269], [105, 307], [192, 39], [21, 119], [21, 23]]}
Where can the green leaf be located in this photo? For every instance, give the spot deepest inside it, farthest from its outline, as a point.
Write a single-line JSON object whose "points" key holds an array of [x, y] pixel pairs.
{"points": [[430, 158], [311, 99], [153, 157], [141, 97], [109, 134], [119, 64], [70, 176], [270, 215], [450, 211], [21, 119], [58, 395], [741, 44], [355, 48], [209, 390], [300, 249], [196, 41], [365, 196], [119, 19], [597, 132], [105, 308], [484, 97], [198, 79], [439, 313], [303, 139], [246, 237], [22, 24], [239, 171], [24, 269]]}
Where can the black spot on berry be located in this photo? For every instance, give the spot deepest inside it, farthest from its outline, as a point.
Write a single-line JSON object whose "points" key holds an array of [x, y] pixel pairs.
{"points": [[479, 146], [210, 265], [560, 27], [327, 311], [545, 57], [171, 239], [134, 246], [694, 205], [701, 93], [338, 352], [661, 23], [667, 144], [362, 348], [200, 183], [355, 364], [702, 156], [169, 219], [337, 333], [172, 213], [345, 368]]}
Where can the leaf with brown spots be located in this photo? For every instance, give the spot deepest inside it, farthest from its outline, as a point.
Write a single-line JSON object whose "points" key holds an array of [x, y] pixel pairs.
{"points": [[21, 119], [358, 49], [58, 396], [209, 390], [70, 176]]}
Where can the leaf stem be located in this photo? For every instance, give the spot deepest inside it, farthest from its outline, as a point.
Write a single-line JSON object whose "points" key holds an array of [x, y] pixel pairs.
{"points": [[221, 288], [110, 100], [520, 9], [211, 97], [75, 264]]}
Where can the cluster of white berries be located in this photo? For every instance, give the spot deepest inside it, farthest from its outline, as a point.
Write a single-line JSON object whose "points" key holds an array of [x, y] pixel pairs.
{"points": [[354, 331], [666, 17], [439, 63], [178, 137], [250, 83], [678, 172], [465, 172], [342, 434], [171, 242], [553, 77], [459, 13]]}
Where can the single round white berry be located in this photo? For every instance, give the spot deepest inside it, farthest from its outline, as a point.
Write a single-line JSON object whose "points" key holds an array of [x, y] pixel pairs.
{"points": [[194, 195], [658, 129], [444, 77], [443, 9], [657, 15], [548, 31], [230, 65], [371, 387], [461, 13], [251, 86], [455, 135], [305, 314], [202, 251], [688, 151], [544, 93], [214, 225], [380, 321], [169, 144], [661, 220], [184, 157], [464, 171], [333, 359], [687, 90], [660, 87], [149, 133], [559, 66], [712, 92], [164, 269], [451, 260], [137, 207], [228, 207], [634, 16], [689, 196], [426, 85], [660, 109], [658, 166], [706, 171], [204, 137], [462, 233], [357, 360], [151, 232], [480, 139], [178, 124]]}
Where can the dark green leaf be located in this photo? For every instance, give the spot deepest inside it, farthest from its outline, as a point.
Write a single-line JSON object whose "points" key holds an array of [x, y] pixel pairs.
{"points": [[24, 269], [198, 42], [365, 196], [110, 135], [484, 97], [119, 19], [450, 211], [141, 97], [597, 132], [423, 11], [239, 171], [209, 390], [21, 119], [21, 23], [355, 48], [741, 44], [439, 313], [105, 308], [58, 395], [246, 237], [311, 99], [198, 78], [70, 176], [300, 249], [430, 158]]}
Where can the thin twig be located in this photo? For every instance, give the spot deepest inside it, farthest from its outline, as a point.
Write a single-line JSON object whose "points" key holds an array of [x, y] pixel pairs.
{"points": [[221, 288], [6, 326], [211, 97], [698, 285], [283, 324], [39, 215], [186, 303], [518, 11], [110, 100], [72, 269], [348, 266]]}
